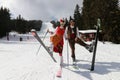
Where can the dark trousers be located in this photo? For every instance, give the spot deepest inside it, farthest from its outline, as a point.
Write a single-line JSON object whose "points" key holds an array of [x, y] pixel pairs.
{"points": [[72, 45], [80, 42]]}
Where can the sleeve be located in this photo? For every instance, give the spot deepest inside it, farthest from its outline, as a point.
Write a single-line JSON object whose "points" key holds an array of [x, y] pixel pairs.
{"points": [[65, 34], [56, 30], [78, 35]]}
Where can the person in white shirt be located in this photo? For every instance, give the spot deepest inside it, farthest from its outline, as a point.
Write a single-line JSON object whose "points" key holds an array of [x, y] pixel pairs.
{"points": [[72, 35]]}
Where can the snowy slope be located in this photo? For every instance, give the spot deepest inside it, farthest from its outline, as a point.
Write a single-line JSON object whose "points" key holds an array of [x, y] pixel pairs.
{"points": [[18, 60]]}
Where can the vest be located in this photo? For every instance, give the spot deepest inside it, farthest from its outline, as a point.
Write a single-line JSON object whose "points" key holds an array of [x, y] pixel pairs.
{"points": [[70, 34]]}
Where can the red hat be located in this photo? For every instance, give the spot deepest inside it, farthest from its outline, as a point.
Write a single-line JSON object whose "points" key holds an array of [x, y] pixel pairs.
{"points": [[61, 20]]}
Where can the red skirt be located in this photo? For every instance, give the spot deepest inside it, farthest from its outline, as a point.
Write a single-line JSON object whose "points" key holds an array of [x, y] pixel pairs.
{"points": [[58, 48]]}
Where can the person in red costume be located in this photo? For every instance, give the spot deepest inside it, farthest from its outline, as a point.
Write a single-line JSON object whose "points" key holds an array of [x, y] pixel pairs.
{"points": [[57, 40]]}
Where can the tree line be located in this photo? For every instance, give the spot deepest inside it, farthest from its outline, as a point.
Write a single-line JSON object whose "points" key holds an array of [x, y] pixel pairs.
{"points": [[108, 11], [19, 24], [85, 17]]}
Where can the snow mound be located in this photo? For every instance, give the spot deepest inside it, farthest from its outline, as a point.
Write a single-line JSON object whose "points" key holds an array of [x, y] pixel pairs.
{"points": [[46, 26]]}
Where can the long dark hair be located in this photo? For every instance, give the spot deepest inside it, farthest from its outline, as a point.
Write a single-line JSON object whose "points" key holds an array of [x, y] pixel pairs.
{"points": [[74, 29], [70, 29]]}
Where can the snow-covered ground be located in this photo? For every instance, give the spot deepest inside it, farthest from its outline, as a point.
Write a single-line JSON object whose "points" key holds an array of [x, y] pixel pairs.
{"points": [[18, 60]]}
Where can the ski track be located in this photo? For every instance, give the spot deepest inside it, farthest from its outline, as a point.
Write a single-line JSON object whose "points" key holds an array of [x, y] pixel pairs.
{"points": [[83, 63]]}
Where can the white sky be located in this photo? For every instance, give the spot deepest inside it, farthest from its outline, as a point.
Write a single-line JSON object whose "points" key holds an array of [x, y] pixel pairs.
{"points": [[41, 9]]}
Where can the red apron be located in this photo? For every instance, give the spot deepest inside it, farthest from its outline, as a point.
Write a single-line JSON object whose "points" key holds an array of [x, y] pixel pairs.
{"points": [[59, 47]]}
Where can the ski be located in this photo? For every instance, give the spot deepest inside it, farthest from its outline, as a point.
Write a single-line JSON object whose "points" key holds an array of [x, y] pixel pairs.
{"points": [[74, 67], [95, 46], [59, 73], [34, 33]]}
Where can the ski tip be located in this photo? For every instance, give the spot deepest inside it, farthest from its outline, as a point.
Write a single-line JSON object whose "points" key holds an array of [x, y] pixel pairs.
{"points": [[33, 30], [59, 73], [58, 76]]}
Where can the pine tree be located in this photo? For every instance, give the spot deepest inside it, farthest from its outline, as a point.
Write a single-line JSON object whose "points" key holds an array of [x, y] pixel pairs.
{"points": [[109, 13], [21, 25], [70, 18], [111, 21], [77, 17], [4, 21], [85, 13], [114, 22], [66, 22]]}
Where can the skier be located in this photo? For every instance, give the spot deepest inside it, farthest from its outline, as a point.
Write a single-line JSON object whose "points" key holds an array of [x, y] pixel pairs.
{"points": [[57, 41], [72, 35]]}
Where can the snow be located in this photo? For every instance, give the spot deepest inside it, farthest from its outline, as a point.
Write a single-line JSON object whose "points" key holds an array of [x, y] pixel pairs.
{"points": [[88, 31], [18, 60]]}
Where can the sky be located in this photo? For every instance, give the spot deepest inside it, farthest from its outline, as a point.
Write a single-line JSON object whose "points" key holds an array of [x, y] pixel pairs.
{"points": [[45, 10]]}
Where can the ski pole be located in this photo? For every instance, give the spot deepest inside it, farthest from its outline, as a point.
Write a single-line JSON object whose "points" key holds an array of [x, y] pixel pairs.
{"points": [[40, 45], [67, 55], [68, 60]]}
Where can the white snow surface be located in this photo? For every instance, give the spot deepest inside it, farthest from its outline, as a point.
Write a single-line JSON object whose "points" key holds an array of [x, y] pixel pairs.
{"points": [[18, 60]]}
